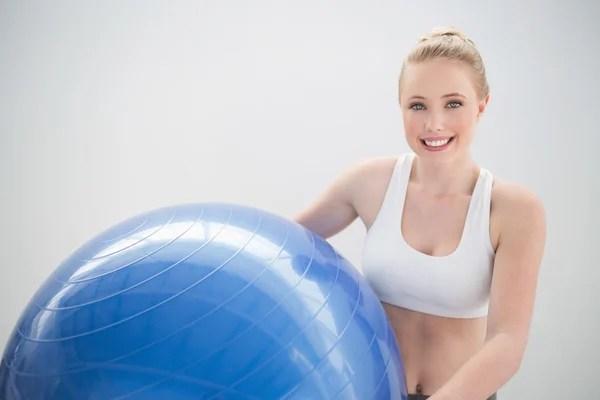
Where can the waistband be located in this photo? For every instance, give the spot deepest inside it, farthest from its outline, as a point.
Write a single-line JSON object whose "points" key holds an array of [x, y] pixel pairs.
{"points": [[425, 397]]}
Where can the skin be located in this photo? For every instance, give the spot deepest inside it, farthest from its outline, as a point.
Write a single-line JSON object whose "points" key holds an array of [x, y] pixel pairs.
{"points": [[449, 359]]}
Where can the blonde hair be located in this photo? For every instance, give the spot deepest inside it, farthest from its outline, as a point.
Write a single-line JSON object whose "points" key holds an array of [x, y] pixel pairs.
{"points": [[452, 44]]}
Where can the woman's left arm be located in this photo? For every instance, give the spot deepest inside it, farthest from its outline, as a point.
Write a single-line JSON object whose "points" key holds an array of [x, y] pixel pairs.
{"points": [[522, 239]]}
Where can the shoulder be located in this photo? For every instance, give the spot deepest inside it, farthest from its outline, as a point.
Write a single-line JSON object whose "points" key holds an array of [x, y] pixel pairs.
{"points": [[366, 170], [517, 209], [375, 165], [372, 172]]}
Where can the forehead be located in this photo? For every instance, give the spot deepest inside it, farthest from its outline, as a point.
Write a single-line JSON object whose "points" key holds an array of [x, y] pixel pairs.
{"points": [[433, 79]]}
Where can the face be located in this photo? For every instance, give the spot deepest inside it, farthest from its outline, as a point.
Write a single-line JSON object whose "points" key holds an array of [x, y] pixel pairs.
{"points": [[440, 109]]}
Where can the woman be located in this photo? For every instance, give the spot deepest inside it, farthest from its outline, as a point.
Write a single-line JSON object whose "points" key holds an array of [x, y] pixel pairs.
{"points": [[452, 253]]}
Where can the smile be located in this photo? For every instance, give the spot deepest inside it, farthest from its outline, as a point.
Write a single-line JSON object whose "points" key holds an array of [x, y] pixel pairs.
{"points": [[436, 143]]}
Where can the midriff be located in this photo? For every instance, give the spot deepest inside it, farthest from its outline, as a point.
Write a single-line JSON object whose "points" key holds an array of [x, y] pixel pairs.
{"points": [[433, 348]]}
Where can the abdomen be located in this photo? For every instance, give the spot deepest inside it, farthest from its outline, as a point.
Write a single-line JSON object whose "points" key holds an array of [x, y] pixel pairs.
{"points": [[434, 348]]}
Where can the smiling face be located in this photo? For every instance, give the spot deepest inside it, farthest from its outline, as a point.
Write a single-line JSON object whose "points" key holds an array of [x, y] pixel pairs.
{"points": [[440, 108]]}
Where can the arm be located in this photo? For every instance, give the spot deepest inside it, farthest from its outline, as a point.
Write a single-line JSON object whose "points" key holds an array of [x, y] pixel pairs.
{"points": [[334, 209], [522, 223]]}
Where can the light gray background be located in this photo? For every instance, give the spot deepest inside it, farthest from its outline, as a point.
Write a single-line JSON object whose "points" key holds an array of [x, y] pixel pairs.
{"points": [[108, 109]]}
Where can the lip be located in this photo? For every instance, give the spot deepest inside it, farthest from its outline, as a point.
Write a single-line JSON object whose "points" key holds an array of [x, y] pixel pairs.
{"points": [[440, 148], [433, 138]]}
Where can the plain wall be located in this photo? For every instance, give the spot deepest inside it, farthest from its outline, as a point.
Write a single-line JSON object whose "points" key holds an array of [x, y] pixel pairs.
{"points": [[108, 109]]}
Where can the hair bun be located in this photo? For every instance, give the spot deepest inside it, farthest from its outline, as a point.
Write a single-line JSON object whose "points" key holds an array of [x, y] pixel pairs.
{"points": [[444, 31]]}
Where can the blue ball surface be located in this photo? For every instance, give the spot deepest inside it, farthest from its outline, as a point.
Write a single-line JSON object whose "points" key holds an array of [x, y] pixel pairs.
{"points": [[203, 301]]}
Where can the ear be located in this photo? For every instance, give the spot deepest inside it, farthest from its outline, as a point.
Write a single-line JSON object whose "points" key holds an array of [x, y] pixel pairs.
{"points": [[482, 105]]}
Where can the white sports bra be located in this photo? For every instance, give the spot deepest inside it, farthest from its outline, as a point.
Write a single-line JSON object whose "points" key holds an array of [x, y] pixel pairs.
{"points": [[456, 285]]}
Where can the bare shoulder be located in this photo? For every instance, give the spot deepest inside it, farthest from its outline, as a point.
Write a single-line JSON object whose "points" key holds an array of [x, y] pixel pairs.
{"points": [[363, 174], [517, 209], [344, 199], [375, 176], [372, 175], [375, 166]]}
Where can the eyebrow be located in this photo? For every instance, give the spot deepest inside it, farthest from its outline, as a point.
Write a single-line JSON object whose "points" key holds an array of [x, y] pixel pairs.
{"points": [[454, 94]]}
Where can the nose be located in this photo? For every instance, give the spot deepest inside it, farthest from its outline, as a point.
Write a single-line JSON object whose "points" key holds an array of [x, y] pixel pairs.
{"points": [[434, 122]]}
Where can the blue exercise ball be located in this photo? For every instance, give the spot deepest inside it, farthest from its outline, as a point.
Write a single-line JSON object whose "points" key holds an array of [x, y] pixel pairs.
{"points": [[203, 301]]}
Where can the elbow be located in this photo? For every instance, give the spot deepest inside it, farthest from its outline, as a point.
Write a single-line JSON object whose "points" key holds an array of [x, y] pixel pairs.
{"points": [[512, 350], [514, 361]]}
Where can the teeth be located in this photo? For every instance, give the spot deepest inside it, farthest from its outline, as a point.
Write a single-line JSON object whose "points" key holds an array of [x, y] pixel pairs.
{"points": [[436, 143]]}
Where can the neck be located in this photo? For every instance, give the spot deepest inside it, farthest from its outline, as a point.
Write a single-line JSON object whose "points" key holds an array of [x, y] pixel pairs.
{"points": [[448, 177]]}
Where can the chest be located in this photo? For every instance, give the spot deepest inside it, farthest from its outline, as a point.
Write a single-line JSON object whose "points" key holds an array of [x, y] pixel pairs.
{"points": [[434, 225]]}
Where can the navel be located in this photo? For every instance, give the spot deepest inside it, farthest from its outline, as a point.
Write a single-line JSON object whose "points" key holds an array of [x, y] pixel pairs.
{"points": [[419, 389]]}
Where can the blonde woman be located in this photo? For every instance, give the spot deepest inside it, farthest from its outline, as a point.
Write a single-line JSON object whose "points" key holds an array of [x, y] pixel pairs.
{"points": [[452, 252]]}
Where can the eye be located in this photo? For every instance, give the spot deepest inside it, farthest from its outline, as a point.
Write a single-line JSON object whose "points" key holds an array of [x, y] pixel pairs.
{"points": [[454, 104], [417, 106]]}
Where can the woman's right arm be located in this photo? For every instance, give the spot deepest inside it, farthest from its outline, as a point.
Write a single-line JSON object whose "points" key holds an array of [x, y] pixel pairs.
{"points": [[334, 209]]}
